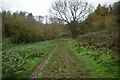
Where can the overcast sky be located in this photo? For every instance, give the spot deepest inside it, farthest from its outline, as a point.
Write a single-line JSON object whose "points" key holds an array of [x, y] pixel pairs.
{"points": [[38, 7]]}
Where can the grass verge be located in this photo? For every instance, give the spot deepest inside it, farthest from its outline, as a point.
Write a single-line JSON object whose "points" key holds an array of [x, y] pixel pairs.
{"points": [[101, 62]]}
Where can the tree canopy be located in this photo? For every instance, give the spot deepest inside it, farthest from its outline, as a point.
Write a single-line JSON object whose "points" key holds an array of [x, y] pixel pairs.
{"points": [[71, 12]]}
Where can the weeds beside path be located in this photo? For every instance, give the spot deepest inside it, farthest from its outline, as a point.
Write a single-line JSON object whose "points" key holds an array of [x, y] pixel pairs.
{"points": [[37, 71], [63, 64]]}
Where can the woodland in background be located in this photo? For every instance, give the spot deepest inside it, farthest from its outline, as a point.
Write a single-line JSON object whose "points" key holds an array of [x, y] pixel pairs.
{"points": [[99, 28], [21, 28]]}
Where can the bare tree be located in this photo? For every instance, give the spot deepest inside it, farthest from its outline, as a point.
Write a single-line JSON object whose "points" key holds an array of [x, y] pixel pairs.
{"points": [[71, 11], [40, 19], [56, 20], [46, 18]]}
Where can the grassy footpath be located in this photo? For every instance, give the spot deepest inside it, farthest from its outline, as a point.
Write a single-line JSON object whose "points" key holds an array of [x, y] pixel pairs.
{"points": [[63, 64], [101, 62], [20, 61], [70, 60]]}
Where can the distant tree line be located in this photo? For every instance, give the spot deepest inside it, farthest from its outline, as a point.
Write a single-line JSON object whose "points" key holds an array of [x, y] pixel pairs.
{"points": [[67, 18], [21, 27]]}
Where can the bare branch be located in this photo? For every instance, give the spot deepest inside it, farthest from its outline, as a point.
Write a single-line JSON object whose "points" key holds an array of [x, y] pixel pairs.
{"points": [[71, 10]]}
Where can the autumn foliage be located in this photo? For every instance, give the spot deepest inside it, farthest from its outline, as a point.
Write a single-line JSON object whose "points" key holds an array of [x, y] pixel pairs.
{"points": [[101, 27]]}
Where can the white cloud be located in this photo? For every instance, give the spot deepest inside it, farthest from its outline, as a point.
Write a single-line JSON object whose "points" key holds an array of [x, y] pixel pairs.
{"points": [[96, 2], [37, 7]]}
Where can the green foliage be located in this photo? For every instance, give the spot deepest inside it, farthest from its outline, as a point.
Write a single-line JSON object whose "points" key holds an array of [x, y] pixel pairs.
{"points": [[21, 60]]}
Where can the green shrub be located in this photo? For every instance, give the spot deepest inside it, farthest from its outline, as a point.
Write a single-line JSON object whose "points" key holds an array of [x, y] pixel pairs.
{"points": [[102, 39]]}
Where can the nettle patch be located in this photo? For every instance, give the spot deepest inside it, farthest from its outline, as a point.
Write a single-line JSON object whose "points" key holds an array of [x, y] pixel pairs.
{"points": [[16, 59]]}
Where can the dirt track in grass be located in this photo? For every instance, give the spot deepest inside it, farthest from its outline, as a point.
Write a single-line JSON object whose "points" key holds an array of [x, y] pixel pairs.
{"points": [[63, 64]]}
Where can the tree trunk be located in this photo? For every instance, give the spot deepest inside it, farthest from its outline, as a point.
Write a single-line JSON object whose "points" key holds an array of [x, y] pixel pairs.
{"points": [[73, 26]]}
